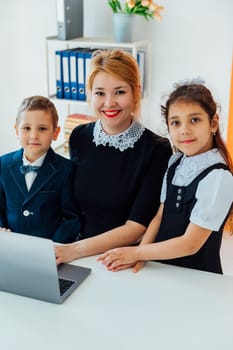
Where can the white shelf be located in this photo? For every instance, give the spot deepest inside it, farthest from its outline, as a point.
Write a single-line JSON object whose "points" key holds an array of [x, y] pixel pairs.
{"points": [[63, 101], [99, 42], [53, 44]]}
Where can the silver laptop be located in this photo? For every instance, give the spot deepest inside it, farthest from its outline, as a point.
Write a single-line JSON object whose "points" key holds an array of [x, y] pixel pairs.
{"points": [[28, 267]]}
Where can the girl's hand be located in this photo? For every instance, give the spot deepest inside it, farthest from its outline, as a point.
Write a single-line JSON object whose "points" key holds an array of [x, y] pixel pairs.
{"points": [[116, 259], [135, 267], [122, 267]]}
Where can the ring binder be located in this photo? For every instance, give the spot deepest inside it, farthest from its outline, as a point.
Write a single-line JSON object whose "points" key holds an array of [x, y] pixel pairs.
{"points": [[69, 19]]}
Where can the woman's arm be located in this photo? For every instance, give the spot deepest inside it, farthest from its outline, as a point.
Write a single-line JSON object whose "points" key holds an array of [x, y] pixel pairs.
{"points": [[123, 235], [148, 237], [185, 245]]}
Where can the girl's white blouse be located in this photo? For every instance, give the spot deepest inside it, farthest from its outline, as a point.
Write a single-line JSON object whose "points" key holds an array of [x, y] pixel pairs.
{"points": [[214, 192]]}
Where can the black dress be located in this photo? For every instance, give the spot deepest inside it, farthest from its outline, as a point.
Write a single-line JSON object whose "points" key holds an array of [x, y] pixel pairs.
{"points": [[178, 205], [111, 186]]}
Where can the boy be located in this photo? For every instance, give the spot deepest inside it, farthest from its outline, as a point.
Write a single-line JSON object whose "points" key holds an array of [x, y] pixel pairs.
{"points": [[36, 195]]}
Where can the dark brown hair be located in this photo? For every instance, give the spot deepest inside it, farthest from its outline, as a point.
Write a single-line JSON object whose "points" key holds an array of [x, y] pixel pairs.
{"points": [[38, 103], [200, 94]]}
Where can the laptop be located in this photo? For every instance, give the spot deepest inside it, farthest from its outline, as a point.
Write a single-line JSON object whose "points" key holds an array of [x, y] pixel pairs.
{"points": [[28, 267]]}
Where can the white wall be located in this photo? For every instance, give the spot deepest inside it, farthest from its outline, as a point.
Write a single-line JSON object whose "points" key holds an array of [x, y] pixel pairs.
{"points": [[23, 27], [194, 39]]}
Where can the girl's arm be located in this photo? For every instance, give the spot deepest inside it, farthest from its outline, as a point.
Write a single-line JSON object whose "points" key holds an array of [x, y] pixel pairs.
{"points": [[123, 235], [153, 227], [187, 244], [217, 200], [148, 237]]}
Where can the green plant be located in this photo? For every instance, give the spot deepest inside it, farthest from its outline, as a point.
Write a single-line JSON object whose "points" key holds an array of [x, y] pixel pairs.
{"points": [[146, 8]]}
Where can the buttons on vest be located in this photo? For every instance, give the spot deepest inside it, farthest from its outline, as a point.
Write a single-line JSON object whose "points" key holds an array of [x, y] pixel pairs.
{"points": [[178, 198], [27, 213]]}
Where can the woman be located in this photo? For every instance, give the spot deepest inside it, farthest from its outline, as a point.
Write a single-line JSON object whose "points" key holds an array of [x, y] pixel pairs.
{"points": [[120, 163]]}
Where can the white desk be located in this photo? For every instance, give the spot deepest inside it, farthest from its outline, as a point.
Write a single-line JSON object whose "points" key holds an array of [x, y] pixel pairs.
{"points": [[161, 307]]}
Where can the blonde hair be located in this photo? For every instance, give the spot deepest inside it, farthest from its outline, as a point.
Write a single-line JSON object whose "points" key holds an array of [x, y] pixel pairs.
{"points": [[35, 103], [121, 64]]}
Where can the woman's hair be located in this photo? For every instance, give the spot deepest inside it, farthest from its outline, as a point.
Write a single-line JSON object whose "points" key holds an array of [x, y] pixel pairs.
{"points": [[121, 64], [38, 103], [198, 93]]}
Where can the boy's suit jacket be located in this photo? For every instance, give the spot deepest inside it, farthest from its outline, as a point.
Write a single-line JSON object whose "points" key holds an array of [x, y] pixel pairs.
{"points": [[48, 209]]}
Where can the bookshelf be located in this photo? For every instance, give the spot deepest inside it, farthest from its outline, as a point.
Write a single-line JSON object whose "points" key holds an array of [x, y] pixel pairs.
{"points": [[53, 44], [71, 106]]}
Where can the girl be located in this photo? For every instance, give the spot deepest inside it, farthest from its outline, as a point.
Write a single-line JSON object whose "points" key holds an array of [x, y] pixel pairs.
{"points": [[197, 190]]}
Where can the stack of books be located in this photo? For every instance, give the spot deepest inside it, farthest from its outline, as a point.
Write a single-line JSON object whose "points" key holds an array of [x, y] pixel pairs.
{"points": [[71, 122]]}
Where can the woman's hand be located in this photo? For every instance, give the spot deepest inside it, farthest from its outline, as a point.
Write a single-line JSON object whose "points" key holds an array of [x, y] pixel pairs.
{"points": [[138, 266], [65, 253], [120, 258]]}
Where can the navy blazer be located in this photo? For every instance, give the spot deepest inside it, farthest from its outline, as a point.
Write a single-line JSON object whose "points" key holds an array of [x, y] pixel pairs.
{"points": [[48, 209]]}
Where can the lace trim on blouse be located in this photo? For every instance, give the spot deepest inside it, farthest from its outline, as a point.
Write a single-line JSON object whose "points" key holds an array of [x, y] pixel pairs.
{"points": [[189, 168], [121, 141], [192, 166]]}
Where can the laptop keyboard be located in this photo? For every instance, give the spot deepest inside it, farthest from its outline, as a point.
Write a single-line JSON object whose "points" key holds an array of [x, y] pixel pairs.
{"points": [[64, 285]]}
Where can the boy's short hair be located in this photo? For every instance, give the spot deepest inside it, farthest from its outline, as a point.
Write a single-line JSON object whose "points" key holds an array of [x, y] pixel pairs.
{"points": [[38, 103]]}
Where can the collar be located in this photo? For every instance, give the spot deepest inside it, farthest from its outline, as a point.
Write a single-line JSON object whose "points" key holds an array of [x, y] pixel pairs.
{"points": [[122, 141], [192, 166], [37, 162]]}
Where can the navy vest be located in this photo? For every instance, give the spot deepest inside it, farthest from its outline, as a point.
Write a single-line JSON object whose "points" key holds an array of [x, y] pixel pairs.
{"points": [[177, 210]]}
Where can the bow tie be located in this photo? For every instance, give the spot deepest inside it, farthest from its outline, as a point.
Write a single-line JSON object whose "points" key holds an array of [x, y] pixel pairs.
{"points": [[28, 168]]}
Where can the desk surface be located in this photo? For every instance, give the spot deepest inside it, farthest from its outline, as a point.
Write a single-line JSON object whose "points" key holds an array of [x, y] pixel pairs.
{"points": [[162, 307]]}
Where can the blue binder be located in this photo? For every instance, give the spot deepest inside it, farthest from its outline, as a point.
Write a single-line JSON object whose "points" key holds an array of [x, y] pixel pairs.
{"points": [[66, 74], [81, 75], [88, 55], [59, 74], [84, 57], [74, 74]]}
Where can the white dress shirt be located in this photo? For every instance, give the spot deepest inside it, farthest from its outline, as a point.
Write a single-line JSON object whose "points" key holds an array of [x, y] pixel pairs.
{"points": [[214, 192], [30, 176]]}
